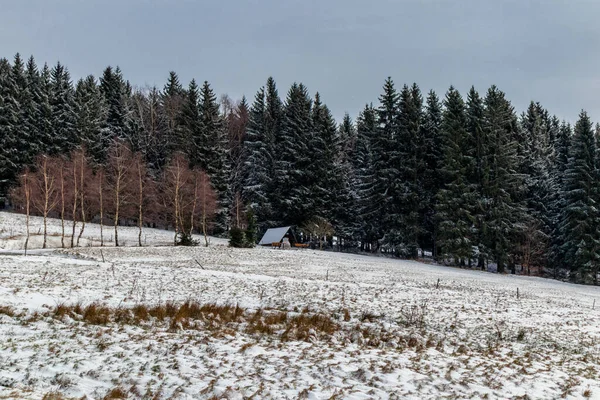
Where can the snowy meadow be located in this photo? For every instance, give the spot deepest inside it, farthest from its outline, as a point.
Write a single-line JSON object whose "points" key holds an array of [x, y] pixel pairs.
{"points": [[215, 322]]}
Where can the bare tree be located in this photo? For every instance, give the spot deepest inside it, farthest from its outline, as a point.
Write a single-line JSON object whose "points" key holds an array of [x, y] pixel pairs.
{"points": [[85, 188], [319, 227], [176, 179], [208, 202], [21, 195], [99, 183], [119, 180], [144, 196], [59, 173], [45, 190]]}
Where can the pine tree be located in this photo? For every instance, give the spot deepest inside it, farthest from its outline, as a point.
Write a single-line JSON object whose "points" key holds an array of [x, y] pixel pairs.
{"points": [[455, 200], [580, 228]]}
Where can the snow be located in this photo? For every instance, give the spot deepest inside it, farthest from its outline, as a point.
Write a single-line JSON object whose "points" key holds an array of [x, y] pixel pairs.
{"points": [[478, 339]]}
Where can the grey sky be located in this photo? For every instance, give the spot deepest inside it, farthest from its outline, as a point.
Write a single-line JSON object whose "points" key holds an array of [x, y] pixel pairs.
{"points": [[548, 51]]}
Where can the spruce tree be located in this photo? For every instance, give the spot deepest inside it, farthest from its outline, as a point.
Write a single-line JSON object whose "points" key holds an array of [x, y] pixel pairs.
{"points": [[9, 117], [112, 87], [91, 112], [386, 160], [62, 102], [212, 150], [433, 162], [478, 170], [455, 200], [345, 201], [323, 146], [257, 176], [580, 228], [367, 228], [294, 205], [502, 184]]}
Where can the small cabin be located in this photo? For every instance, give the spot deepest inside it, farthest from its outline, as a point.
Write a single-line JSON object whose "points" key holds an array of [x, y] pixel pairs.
{"points": [[279, 237]]}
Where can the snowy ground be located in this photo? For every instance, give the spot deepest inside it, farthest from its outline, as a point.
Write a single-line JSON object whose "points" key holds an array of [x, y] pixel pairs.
{"points": [[405, 330]]}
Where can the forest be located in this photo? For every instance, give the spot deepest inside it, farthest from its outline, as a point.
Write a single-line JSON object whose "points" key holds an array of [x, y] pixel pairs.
{"points": [[463, 178]]}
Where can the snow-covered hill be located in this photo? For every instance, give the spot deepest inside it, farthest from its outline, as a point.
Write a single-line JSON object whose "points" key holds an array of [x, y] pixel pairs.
{"points": [[402, 329]]}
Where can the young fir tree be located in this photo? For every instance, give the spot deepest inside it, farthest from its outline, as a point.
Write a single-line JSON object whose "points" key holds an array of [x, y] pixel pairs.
{"points": [[455, 199], [580, 228]]}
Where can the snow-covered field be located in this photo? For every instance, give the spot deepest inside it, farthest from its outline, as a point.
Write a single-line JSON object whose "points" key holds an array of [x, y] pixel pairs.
{"points": [[402, 330]]}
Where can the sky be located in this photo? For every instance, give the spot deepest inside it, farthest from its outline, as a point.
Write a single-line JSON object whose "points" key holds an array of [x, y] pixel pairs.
{"points": [[541, 50]]}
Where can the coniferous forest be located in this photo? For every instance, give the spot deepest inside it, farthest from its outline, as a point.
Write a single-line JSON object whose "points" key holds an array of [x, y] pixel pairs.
{"points": [[463, 177]]}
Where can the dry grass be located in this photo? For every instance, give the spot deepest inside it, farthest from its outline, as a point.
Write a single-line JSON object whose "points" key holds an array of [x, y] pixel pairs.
{"points": [[219, 319], [7, 310], [116, 393]]}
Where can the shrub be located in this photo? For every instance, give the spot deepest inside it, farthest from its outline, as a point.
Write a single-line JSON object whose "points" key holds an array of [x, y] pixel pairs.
{"points": [[236, 237]]}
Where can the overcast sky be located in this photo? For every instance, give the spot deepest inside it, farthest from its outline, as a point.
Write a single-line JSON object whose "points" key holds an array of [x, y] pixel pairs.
{"points": [[543, 50]]}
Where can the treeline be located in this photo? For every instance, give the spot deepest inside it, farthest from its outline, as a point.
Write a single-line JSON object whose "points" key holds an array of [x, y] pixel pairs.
{"points": [[76, 190], [463, 178]]}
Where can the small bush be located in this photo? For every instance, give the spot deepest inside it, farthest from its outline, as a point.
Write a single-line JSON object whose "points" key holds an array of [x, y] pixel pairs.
{"points": [[185, 239], [236, 237]]}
